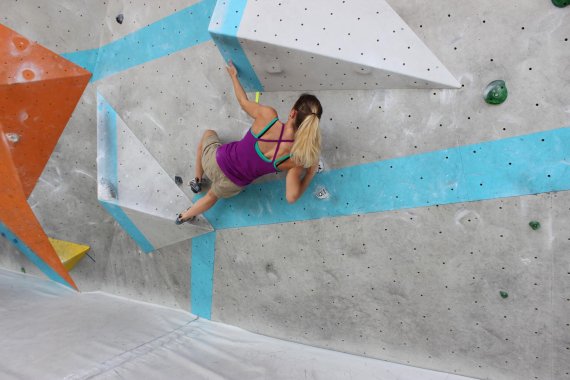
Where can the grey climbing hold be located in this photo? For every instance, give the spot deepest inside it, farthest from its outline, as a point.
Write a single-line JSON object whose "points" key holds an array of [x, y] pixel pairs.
{"points": [[120, 18], [107, 189], [496, 92], [322, 193]]}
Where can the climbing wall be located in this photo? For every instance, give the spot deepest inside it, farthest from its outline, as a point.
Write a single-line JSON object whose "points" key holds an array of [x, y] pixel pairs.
{"points": [[422, 252]]}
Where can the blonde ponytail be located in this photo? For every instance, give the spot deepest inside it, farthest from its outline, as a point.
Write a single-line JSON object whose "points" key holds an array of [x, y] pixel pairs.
{"points": [[306, 149]]}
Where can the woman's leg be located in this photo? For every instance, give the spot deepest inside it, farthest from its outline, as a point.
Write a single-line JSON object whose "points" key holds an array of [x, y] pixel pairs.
{"points": [[203, 204], [199, 172]]}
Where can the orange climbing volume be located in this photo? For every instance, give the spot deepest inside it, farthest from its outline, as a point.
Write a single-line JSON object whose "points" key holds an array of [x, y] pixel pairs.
{"points": [[38, 92]]}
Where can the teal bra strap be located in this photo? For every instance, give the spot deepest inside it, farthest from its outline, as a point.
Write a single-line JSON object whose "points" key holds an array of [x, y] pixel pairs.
{"points": [[265, 129], [279, 161], [260, 154]]}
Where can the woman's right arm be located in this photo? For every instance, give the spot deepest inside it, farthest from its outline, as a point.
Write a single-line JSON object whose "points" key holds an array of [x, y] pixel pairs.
{"points": [[295, 186]]}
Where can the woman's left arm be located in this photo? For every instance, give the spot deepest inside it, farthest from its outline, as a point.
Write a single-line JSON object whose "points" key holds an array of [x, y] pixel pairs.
{"points": [[295, 185]]}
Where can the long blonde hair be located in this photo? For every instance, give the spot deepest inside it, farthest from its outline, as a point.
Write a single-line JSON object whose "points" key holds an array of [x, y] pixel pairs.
{"points": [[306, 149]]}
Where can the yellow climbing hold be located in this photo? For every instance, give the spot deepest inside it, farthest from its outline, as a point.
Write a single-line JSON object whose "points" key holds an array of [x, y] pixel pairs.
{"points": [[68, 252], [257, 96]]}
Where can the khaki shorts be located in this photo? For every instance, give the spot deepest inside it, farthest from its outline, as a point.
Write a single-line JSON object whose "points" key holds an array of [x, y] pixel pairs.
{"points": [[222, 186]]}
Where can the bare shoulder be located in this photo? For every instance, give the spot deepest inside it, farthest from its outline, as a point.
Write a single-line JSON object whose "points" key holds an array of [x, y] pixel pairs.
{"points": [[265, 115], [268, 112]]}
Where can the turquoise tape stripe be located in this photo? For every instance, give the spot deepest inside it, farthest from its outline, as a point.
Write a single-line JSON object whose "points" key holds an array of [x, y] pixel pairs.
{"points": [[224, 28], [126, 223], [202, 274], [178, 31], [517, 166], [108, 138], [35, 259]]}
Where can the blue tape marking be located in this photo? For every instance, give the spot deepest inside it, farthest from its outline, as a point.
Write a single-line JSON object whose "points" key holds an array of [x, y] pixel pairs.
{"points": [[84, 58], [178, 31], [125, 222], [35, 259], [202, 276], [108, 116], [517, 166], [224, 28]]}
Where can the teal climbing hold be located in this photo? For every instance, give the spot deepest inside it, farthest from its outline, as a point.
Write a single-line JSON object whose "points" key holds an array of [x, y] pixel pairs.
{"points": [[496, 92], [503, 294], [561, 3], [535, 225]]}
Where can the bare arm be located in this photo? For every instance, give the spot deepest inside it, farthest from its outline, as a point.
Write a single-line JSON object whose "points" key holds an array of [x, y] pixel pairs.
{"points": [[295, 185], [251, 108]]}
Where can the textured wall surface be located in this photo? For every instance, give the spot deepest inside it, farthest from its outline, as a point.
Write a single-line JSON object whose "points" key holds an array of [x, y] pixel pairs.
{"points": [[418, 286]]}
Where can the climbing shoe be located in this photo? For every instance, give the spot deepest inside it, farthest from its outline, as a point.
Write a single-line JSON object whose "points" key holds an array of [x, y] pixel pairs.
{"points": [[196, 185]]}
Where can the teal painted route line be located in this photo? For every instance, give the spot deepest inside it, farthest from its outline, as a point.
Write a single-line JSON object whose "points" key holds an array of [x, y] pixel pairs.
{"points": [[5, 232], [202, 274], [178, 31], [522, 165]]}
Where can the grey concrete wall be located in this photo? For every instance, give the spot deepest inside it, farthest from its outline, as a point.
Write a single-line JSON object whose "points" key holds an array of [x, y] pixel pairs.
{"points": [[416, 286]]}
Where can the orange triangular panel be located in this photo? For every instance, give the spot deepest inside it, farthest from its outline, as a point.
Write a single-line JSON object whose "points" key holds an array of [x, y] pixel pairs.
{"points": [[38, 92], [17, 216]]}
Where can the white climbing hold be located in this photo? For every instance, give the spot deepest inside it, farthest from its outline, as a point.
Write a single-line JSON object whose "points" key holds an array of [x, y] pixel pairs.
{"points": [[322, 193], [321, 166], [13, 137]]}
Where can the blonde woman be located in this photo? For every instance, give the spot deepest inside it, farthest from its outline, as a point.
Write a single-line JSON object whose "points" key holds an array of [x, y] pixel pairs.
{"points": [[269, 146]]}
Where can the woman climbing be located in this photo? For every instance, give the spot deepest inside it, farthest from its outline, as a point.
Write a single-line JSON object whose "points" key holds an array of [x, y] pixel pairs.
{"points": [[269, 146]]}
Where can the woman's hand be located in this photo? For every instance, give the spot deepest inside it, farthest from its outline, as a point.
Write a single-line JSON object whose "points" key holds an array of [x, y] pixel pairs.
{"points": [[231, 69]]}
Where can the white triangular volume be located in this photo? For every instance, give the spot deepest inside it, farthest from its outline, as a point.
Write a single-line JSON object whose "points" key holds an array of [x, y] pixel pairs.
{"points": [[323, 44], [146, 188], [161, 232], [131, 178]]}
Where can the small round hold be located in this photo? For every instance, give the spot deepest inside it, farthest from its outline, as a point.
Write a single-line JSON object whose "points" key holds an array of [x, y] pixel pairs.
{"points": [[496, 92], [535, 225], [561, 3], [503, 294], [120, 18], [178, 180]]}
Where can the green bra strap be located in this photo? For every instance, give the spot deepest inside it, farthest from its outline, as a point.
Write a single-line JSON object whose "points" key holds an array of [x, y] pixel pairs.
{"points": [[266, 128]]}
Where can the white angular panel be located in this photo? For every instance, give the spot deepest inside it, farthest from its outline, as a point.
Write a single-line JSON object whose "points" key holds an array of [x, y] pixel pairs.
{"points": [[324, 45], [136, 190]]}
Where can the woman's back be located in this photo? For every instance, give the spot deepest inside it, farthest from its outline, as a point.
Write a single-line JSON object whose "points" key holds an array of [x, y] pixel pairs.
{"points": [[263, 149]]}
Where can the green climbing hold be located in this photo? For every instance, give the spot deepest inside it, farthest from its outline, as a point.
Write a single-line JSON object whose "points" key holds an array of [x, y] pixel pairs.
{"points": [[561, 3], [496, 92], [23, 269], [503, 294], [534, 225]]}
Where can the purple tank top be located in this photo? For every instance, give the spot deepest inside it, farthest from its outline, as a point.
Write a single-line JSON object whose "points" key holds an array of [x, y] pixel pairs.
{"points": [[243, 162]]}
